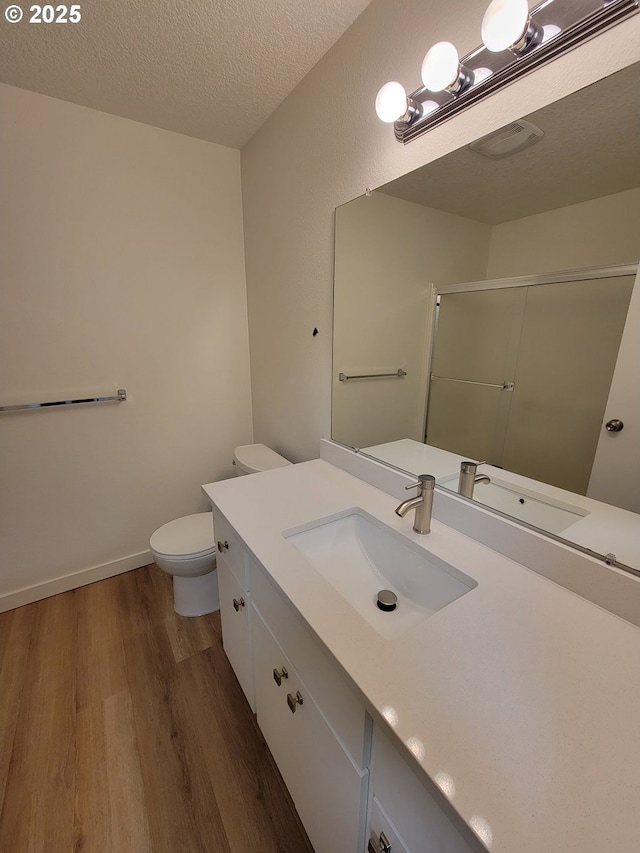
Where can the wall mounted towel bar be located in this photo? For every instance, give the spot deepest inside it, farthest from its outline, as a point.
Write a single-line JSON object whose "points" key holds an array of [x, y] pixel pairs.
{"points": [[397, 375], [120, 397]]}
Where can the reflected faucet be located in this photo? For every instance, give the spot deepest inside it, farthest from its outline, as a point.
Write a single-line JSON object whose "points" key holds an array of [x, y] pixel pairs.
{"points": [[422, 503], [469, 477]]}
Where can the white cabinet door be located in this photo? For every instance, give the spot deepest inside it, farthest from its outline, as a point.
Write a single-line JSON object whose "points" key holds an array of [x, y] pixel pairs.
{"points": [[413, 806], [383, 836], [326, 787], [334, 697], [236, 637], [229, 545]]}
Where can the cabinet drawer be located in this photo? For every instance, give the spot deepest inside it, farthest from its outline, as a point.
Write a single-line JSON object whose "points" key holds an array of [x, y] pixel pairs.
{"points": [[381, 825], [229, 546], [327, 788], [414, 805], [236, 636], [332, 692]]}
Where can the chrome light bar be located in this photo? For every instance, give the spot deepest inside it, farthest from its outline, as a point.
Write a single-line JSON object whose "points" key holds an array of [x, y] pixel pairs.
{"points": [[565, 25]]}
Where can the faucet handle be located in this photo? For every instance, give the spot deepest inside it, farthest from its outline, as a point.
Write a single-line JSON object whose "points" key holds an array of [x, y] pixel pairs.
{"points": [[425, 481]]}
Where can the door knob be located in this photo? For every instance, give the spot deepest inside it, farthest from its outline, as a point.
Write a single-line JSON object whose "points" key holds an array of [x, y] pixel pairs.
{"points": [[223, 546], [238, 603], [614, 425]]}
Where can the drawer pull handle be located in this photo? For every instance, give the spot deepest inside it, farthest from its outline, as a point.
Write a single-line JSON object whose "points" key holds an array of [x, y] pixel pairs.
{"points": [[292, 701], [379, 845], [238, 603], [223, 546], [279, 674]]}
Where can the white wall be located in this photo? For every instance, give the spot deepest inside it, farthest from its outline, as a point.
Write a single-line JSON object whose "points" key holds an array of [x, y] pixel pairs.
{"points": [[324, 146], [387, 253], [122, 267], [597, 233]]}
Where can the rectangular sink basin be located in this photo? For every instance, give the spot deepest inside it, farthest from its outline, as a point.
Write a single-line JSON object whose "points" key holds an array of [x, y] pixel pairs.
{"points": [[523, 504], [359, 556]]}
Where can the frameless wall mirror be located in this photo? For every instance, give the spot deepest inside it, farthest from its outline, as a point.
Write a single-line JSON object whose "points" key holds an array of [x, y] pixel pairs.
{"points": [[484, 309]]}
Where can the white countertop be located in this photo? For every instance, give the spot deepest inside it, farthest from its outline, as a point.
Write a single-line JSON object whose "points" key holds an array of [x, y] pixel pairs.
{"points": [[520, 699]]}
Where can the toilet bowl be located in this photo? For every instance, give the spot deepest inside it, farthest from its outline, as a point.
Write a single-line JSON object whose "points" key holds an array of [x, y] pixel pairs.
{"points": [[185, 548]]}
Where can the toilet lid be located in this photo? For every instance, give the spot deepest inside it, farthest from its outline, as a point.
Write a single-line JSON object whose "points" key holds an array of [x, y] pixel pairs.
{"points": [[191, 535]]}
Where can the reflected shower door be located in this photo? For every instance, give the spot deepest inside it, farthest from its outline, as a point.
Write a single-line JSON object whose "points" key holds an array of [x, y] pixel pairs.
{"points": [[473, 365], [520, 375]]}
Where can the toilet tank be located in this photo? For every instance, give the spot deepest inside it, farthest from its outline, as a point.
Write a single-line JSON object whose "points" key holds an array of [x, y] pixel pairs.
{"points": [[251, 458]]}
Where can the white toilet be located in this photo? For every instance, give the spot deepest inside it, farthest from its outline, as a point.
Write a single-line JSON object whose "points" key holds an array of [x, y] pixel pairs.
{"points": [[186, 548]]}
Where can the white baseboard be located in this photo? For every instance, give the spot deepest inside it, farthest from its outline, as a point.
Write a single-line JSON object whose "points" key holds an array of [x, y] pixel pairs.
{"points": [[44, 589]]}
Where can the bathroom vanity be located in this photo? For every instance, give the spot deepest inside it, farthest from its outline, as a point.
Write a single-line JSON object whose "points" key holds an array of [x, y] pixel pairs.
{"points": [[493, 710]]}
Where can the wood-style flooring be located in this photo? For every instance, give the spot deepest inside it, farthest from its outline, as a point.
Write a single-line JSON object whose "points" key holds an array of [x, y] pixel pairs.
{"points": [[124, 730]]}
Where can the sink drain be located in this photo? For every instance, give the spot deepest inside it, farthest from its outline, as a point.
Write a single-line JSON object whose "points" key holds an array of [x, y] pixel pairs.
{"points": [[387, 600]]}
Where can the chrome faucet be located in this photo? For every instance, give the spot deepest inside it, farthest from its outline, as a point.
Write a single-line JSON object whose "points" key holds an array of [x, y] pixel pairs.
{"points": [[469, 477], [422, 503]]}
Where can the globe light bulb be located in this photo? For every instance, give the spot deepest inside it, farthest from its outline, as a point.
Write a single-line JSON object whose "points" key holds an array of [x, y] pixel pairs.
{"points": [[391, 102], [504, 24], [440, 67]]}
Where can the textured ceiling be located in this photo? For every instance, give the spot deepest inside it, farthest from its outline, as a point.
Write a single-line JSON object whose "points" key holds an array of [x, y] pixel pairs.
{"points": [[213, 69], [591, 148]]}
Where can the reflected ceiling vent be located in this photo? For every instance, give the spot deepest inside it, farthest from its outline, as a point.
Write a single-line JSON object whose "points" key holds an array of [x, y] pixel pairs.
{"points": [[508, 140]]}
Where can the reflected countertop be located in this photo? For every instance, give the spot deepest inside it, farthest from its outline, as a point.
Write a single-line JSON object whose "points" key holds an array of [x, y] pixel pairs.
{"points": [[603, 528], [521, 694]]}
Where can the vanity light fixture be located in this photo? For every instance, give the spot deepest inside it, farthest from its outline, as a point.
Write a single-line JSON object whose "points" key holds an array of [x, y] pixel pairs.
{"points": [[516, 40]]}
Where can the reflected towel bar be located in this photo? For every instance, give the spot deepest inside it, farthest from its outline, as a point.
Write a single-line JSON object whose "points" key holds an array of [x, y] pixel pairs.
{"points": [[398, 375], [506, 386], [120, 397]]}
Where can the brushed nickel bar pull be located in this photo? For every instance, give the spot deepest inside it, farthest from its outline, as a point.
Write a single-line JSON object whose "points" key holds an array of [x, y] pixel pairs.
{"points": [[397, 375], [120, 397]]}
